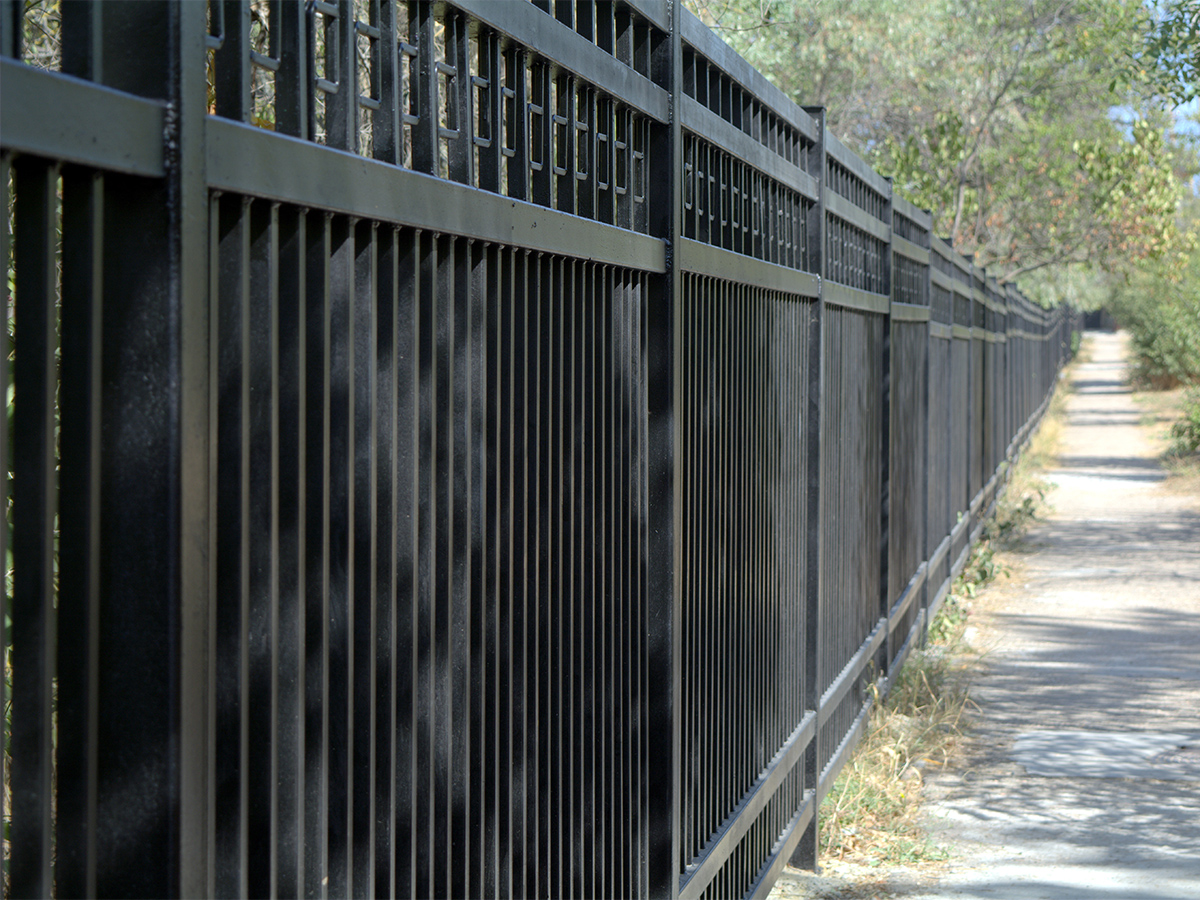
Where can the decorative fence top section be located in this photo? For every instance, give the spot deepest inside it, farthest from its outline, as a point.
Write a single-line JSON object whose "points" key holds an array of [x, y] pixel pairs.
{"points": [[553, 103], [549, 109]]}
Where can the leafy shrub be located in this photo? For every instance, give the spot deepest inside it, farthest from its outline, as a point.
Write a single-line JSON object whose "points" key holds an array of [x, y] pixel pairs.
{"points": [[1166, 347], [1160, 306], [1185, 434], [950, 622]]}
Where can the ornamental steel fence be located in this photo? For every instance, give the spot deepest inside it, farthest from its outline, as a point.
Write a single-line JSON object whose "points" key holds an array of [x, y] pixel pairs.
{"points": [[463, 449]]}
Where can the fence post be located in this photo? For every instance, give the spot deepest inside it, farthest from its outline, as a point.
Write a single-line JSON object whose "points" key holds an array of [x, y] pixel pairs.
{"points": [[927, 545], [425, 140], [663, 498], [134, 490], [10, 22], [9, 46], [11, 19], [973, 424], [188, 196], [884, 657], [805, 855]]}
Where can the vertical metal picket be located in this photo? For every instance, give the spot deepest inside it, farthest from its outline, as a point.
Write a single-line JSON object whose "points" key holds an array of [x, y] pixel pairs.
{"points": [[885, 654], [663, 487], [188, 195], [79, 595]]}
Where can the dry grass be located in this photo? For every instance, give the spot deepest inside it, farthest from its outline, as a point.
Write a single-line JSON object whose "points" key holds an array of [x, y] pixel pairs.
{"points": [[1161, 409], [871, 814], [1183, 477]]}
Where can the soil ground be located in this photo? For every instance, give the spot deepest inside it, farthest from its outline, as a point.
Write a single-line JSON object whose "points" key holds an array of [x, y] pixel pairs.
{"points": [[1081, 780]]}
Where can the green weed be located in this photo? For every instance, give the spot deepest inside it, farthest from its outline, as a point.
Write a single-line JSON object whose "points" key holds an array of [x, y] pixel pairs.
{"points": [[1185, 433], [949, 623]]}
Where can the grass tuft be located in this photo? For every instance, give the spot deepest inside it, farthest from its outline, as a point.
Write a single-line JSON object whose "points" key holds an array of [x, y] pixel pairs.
{"points": [[1172, 417], [870, 815]]}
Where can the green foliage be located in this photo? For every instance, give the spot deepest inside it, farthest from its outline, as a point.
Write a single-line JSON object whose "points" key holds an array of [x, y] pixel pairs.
{"points": [[1169, 55], [1014, 514], [1185, 433], [41, 34], [949, 622], [982, 569], [995, 115], [1160, 306], [1167, 345], [1134, 192]]}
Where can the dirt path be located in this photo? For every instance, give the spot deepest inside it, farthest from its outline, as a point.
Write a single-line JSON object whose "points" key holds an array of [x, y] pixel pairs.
{"points": [[1084, 781]]}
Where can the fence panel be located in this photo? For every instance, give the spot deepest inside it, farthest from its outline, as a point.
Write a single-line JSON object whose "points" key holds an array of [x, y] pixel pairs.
{"points": [[470, 510], [851, 604], [749, 333], [464, 449]]}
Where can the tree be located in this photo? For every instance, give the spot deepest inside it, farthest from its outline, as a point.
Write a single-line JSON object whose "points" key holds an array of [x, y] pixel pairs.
{"points": [[1168, 58], [1159, 303], [994, 114]]}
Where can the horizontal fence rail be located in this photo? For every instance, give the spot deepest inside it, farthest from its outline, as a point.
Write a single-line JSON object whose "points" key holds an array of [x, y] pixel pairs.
{"points": [[463, 449]]}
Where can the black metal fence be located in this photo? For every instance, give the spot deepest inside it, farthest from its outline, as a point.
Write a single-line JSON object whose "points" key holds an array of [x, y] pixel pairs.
{"points": [[464, 449]]}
